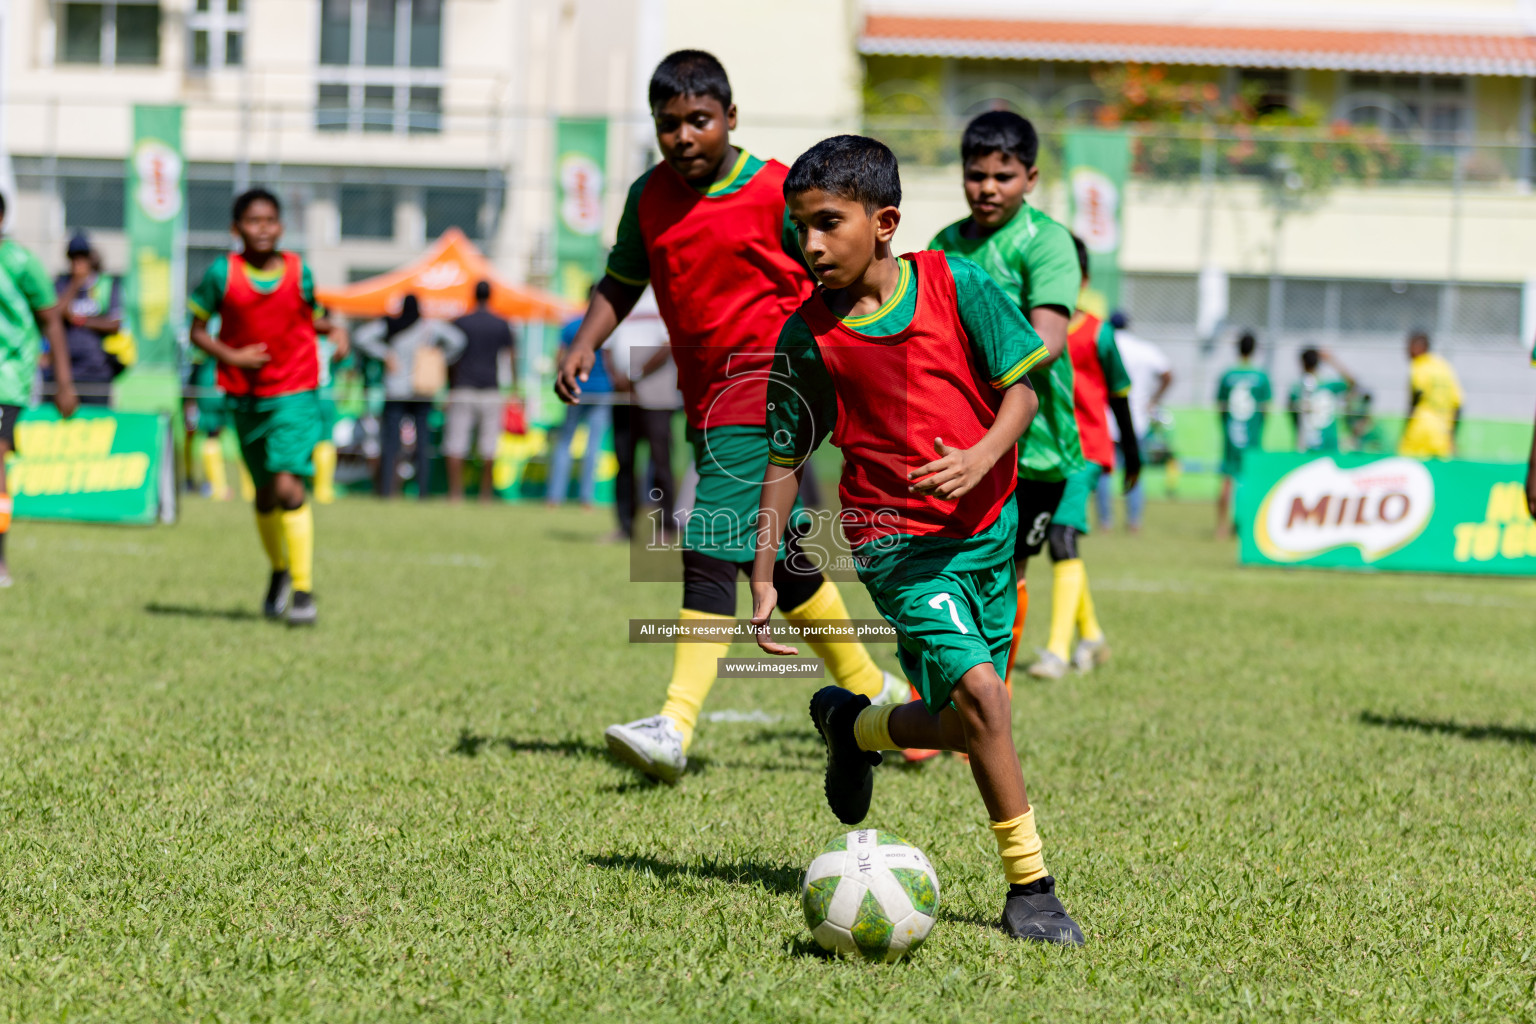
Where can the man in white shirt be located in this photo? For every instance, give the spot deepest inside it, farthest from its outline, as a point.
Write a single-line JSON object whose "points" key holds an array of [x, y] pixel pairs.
{"points": [[645, 399], [1151, 375]]}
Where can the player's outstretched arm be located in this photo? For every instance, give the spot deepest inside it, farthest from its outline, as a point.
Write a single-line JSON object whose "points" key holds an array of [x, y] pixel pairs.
{"points": [[780, 486], [51, 320], [250, 357], [1130, 449], [612, 301], [958, 470]]}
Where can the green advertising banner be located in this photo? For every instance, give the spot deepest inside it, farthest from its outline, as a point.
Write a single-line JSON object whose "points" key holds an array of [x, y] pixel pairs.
{"points": [[156, 219], [1098, 163], [1388, 513], [581, 162], [96, 466]]}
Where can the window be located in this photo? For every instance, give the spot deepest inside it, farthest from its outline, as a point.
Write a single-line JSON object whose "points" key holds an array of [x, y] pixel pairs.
{"points": [[1438, 104], [380, 66], [209, 205], [445, 208], [367, 211], [93, 203], [120, 32], [1269, 89], [217, 35]]}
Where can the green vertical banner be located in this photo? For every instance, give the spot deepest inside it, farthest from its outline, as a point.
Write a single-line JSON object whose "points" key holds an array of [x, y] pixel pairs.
{"points": [[1098, 163], [157, 247], [581, 165]]}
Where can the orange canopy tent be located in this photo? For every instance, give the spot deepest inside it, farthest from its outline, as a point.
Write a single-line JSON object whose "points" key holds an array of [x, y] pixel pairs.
{"points": [[443, 280]]}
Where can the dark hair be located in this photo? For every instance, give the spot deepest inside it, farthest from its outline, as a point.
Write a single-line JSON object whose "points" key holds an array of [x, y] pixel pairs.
{"points": [[1309, 359], [1246, 343], [1082, 256], [483, 291], [1419, 334], [1119, 320], [853, 167], [690, 73], [1000, 131], [410, 312], [2, 204], [245, 200]]}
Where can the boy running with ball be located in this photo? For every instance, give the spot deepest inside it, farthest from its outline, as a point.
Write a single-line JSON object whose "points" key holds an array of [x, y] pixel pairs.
{"points": [[918, 368], [706, 229], [269, 369]]}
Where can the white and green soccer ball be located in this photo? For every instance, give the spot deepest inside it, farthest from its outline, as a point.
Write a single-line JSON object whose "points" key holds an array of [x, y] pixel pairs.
{"points": [[870, 893]]}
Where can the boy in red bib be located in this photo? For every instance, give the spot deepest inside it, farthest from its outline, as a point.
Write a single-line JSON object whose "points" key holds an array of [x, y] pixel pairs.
{"points": [[269, 369], [706, 229], [917, 368]]}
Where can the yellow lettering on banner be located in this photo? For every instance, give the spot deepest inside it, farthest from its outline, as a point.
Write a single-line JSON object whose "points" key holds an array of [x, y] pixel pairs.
{"points": [[1506, 504], [1513, 545], [135, 470], [1464, 532], [1485, 543]]}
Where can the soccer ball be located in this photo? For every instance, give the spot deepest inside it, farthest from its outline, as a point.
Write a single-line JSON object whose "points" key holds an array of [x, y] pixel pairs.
{"points": [[870, 893]]}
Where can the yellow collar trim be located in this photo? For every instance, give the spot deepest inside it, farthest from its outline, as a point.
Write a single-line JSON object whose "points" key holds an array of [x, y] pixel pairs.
{"points": [[903, 283], [730, 179]]}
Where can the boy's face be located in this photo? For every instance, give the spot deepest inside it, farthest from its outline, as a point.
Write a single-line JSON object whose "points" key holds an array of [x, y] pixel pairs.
{"points": [[838, 236], [995, 186], [260, 227], [694, 133]]}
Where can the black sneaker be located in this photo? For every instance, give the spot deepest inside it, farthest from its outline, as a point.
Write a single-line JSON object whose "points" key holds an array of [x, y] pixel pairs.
{"points": [[850, 782], [302, 612], [278, 591], [1034, 912]]}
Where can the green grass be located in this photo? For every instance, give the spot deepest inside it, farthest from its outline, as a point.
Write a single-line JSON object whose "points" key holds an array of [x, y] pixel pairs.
{"points": [[1291, 796]]}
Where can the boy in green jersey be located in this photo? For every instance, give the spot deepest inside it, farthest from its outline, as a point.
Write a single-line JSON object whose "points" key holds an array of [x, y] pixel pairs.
{"points": [[1032, 258], [1242, 396], [1316, 404], [27, 303], [918, 367]]}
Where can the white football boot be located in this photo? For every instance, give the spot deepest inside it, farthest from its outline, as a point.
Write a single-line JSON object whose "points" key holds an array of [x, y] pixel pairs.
{"points": [[895, 691], [652, 746], [1048, 666], [1090, 654]]}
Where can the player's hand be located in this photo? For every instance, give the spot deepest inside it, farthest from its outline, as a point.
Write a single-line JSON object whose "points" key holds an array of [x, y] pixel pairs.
{"points": [[252, 357], [391, 364], [343, 342], [66, 401], [953, 474], [764, 599], [574, 370]]}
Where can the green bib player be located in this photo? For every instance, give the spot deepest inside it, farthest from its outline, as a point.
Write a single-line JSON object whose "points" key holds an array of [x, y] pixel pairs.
{"points": [[1317, 404], [1032, 258], [1243, 397]]}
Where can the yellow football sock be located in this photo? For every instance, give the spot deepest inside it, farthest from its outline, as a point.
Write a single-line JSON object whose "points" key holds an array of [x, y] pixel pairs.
{"points": [[270, 526], [872, 729], [1019, 846], [299, 532], [213, 469], [1087, 620], [247, 485], [694, 666], [1065, 598], [325, 472], [1020, 612], [850, 663]]}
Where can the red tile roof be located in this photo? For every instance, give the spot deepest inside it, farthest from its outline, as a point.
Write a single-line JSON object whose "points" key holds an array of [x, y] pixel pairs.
{"points": [[1201, 44]]}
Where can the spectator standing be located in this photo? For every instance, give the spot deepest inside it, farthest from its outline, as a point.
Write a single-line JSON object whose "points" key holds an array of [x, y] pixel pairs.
{"points": [[1317, 403], [415, 352], [93, 312], [645, 399], [1151, 376], [595, 411], [475, 403], [1434, 410]]}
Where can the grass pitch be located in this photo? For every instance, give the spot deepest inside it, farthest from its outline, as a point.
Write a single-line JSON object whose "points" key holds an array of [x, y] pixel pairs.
{"points": [[1291, 796]]}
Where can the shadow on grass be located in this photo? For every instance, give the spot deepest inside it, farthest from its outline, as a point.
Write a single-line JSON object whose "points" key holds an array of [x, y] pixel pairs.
{"points": [[778, 878], [807, 949], [1506, 733], [187, 611], [470, 745]]}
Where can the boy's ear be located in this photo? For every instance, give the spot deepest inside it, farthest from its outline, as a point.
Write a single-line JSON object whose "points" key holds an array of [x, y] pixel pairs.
{"points": [[730, 118], [1031, 178], [887, 219]]}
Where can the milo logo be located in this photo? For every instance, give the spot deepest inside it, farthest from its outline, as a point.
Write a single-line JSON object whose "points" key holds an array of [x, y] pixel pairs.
{"points": [[1377, 508]]}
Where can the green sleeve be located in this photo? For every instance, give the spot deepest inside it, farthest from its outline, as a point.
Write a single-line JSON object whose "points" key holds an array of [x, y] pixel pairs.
{"points": [[802, 406], [1115, 374], [34, 283], [1338, 387], [1004, 342], [209, 293], [307, 289], [1224, 389], [1261, 392], [628, 261], [1050, 267]]}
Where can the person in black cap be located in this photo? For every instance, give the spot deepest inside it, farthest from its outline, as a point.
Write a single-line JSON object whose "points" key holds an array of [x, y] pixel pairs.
{"points": [[93, 312]]}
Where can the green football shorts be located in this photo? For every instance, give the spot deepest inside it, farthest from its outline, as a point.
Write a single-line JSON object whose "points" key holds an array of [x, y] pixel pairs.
{"points": [[1231, 458], [277, 434], [949, 622], [1073, 509], [730, 462]]}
